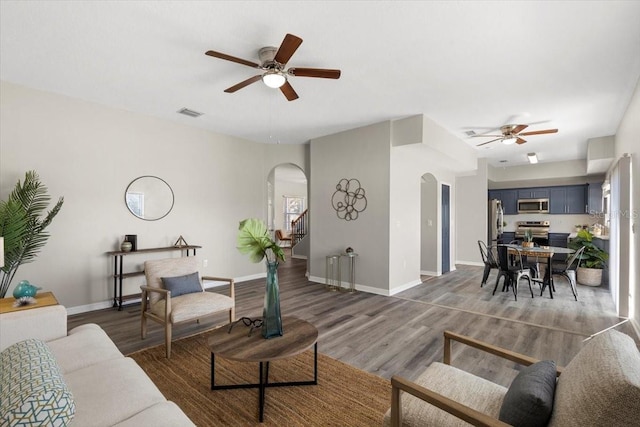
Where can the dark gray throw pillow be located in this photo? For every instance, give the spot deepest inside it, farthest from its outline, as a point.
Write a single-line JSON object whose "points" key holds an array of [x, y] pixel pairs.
{"points": [[529, 400], [181, 285]]}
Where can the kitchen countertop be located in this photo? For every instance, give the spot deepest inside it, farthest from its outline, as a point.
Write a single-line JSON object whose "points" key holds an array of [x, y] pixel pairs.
{"points": [[601, 237]]}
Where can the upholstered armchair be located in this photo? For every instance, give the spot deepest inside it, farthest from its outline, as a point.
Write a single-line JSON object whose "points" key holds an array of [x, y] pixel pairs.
{"points": [[174, 294], [599, 387]]}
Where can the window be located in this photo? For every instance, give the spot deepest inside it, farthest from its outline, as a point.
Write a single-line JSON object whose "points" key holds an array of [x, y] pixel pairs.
{"points": [[293, 207]]}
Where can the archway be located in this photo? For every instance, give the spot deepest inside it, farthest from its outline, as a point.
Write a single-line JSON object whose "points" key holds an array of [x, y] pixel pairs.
{"points": [[286, 195]]}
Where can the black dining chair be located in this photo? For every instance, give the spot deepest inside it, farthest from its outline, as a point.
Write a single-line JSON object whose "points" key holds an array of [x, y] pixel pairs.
{"points": [[568, 270], [489, 260], [512, 273]]}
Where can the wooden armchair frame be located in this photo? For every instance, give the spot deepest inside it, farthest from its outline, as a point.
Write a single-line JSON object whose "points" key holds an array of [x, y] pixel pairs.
{"points": [[165, 318], [456, 409]]}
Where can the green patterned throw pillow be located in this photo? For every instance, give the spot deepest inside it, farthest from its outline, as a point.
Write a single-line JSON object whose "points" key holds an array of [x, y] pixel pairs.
{"points": [[32, 390]]}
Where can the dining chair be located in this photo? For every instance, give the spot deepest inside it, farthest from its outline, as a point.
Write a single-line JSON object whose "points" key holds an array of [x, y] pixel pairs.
{"points": [[568, 270], [512, 273], [489, 259]]}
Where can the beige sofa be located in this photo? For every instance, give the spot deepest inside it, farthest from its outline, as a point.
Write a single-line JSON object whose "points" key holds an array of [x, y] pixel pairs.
{"points": [[108, 388]]}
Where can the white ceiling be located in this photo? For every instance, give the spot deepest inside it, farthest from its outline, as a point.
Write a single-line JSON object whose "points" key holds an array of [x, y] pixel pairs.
{"points": [[468, 65]]}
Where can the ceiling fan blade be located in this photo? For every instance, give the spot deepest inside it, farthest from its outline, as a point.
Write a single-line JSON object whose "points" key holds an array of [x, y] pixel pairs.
{"points": [[484, 136], [484, 143], [287, 48], [288, 92], [539, 132], [519, 128], [315, 72], [243, 84], [520, 141], [231, 58]]}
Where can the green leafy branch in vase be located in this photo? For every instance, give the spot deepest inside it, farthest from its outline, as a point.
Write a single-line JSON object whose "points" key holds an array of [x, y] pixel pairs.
{"points": [[254, 240]]}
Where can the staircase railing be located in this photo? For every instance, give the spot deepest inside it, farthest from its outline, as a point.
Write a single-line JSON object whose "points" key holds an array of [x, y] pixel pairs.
{"points": [[299, 227]]}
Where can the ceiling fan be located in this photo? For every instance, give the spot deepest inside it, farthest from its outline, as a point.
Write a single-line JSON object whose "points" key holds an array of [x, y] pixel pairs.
{"points": [[272, 62], [513, 133]]}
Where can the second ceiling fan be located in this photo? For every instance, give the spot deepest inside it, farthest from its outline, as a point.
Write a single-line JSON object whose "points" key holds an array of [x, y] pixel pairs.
{"points": [[513, 134], [272, 62]]}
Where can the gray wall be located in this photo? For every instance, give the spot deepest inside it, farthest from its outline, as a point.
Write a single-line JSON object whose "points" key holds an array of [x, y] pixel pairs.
{"points": [[472, 222], [89, 153], [363, 154]]}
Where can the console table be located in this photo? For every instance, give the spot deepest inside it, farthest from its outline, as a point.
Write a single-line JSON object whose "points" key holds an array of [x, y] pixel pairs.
{"points": [[119, 275]]}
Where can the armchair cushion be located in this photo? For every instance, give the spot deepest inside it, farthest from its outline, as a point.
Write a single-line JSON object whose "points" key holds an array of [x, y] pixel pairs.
{"points": [[194, 305], [529, 400], [449, 381], [180, 285]]}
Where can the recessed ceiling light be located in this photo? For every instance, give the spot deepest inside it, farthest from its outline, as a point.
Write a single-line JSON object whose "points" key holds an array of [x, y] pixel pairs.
{"points": [[470, 133], [190, 113], [503, 161]]}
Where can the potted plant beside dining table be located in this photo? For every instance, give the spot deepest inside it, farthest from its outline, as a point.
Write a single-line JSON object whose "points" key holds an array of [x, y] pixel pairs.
{"points": [[593, 259]]}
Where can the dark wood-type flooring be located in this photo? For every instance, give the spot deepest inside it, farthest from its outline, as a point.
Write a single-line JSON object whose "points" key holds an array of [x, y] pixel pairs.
{"points": [[402, 334]]}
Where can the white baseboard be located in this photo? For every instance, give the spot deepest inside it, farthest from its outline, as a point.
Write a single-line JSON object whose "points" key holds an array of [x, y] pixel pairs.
{"points": [[474, 263], [401, 288], [430, 273]]}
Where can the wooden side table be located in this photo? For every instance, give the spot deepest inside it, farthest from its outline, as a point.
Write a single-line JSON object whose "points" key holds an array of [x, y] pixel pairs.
{"points": [[299, 336], [43, 299]]}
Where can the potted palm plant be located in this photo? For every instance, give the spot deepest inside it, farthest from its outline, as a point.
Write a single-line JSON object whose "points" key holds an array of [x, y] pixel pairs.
{"points": [[254, 240], [23, 226], [593, 259]]}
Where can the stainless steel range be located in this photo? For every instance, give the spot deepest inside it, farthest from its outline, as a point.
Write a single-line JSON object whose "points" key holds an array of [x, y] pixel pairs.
{"points": [[539, 229]]}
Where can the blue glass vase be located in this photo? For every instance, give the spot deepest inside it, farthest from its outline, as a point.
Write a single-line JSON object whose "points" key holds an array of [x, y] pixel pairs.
{"points": [[271, 318]]}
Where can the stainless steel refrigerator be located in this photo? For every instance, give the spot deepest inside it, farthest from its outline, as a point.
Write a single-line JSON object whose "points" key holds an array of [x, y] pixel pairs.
{"points": [[495, 221]]}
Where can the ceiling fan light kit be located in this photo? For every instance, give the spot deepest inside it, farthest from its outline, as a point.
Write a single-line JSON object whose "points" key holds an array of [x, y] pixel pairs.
{"points": [[274, 79], [272, 62]]}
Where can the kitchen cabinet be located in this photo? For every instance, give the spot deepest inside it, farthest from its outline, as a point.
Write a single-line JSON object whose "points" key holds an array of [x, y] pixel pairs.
{"points": [[594, 199], [568, 199], [507, 237], [559, 240], [533, 193], [509, 199]]}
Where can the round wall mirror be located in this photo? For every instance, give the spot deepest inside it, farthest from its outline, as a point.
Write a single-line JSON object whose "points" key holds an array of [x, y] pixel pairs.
{"points": [[149, 198]]}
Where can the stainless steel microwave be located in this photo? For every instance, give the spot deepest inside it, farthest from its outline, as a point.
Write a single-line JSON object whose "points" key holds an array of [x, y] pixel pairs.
{"points": [[533, 206]]}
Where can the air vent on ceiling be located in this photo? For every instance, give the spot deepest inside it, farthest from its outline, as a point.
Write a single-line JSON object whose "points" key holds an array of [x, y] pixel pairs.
{"points": [[470, 133], [190, 113]]}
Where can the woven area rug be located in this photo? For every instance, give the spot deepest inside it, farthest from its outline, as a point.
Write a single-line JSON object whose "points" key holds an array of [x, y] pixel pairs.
{"points": [[344, 396]]}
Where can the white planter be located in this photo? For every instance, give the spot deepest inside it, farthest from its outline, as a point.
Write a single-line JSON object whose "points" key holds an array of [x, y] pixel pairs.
{"points": [[589, 276]]}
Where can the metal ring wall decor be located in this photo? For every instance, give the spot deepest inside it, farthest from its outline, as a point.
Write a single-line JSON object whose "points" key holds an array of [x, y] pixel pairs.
{"points": [[349, 199]]}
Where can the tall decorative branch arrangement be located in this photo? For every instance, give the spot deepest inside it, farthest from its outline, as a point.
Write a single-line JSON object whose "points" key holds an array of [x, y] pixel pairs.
{"points": [[23, 226], [254, 240]]}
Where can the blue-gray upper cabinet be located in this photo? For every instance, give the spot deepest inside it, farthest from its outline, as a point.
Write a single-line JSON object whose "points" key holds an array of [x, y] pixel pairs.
{"points": [[569, 199], [533, 193], [509, 199], [595, 198]]}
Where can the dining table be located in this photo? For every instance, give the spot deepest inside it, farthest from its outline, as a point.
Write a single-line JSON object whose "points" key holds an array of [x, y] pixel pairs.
{"points": [[542, 252]]}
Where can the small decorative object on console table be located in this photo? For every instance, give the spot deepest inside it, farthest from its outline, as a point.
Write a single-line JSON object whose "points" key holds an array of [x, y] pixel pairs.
{"points": [[126, 246], [25, 289], [254, 240]]}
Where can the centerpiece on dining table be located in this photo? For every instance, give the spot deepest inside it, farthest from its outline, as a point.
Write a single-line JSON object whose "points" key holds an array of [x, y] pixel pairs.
{"points": [[528, 239]]}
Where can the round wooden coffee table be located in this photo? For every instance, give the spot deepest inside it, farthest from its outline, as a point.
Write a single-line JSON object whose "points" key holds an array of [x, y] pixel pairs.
{"points": [[244, 345]]}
